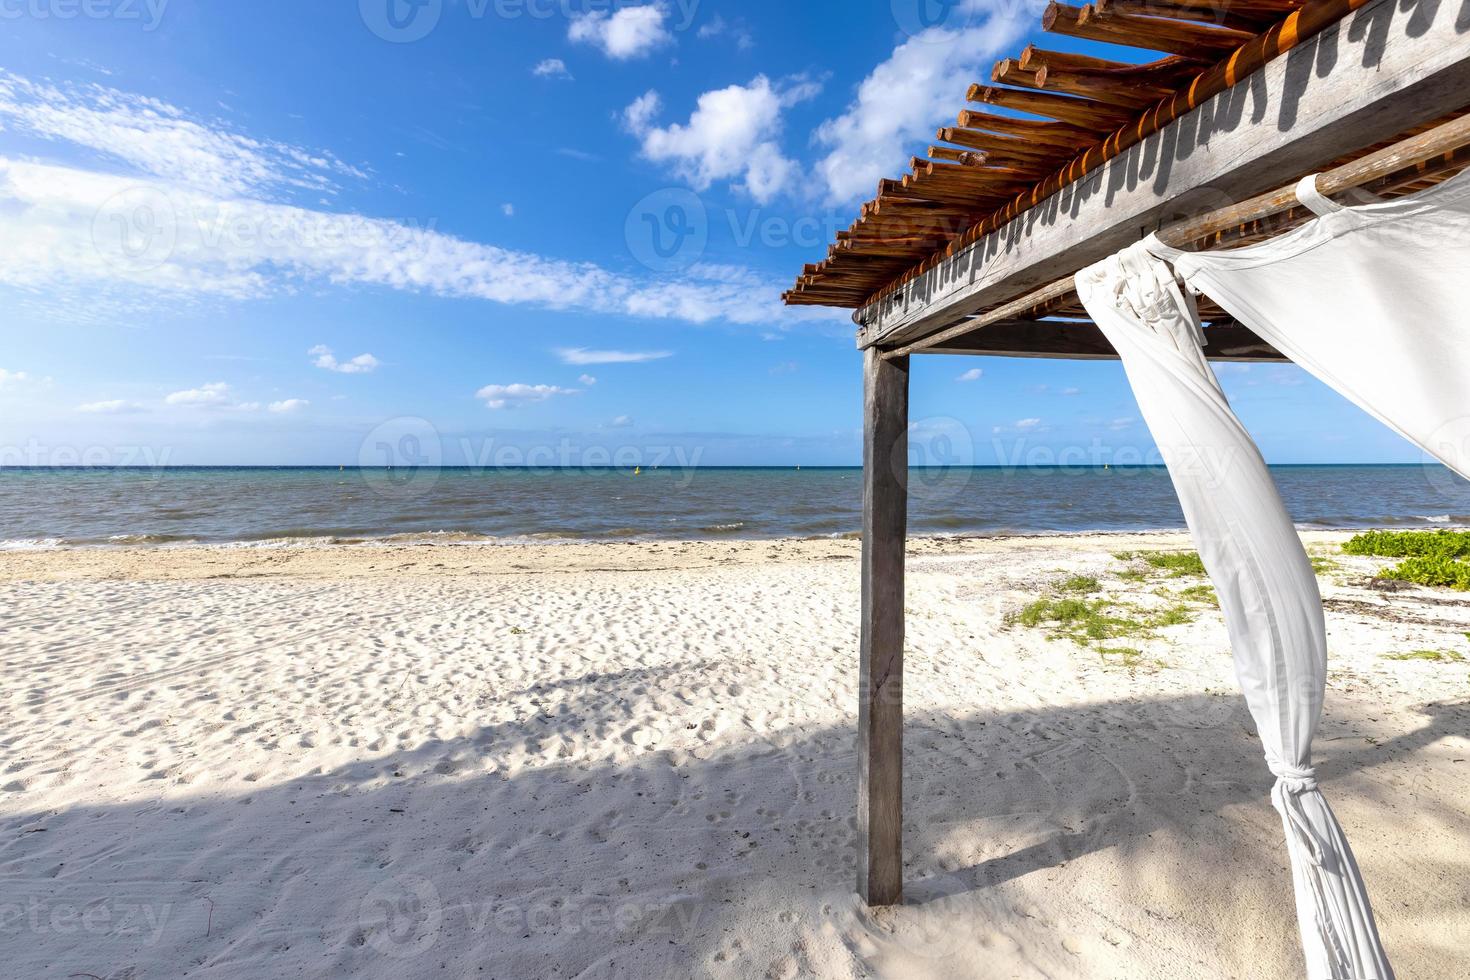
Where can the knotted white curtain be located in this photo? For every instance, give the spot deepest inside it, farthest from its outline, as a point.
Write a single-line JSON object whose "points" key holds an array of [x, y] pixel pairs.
{"points": [[1370, 300], [1267, 589]]}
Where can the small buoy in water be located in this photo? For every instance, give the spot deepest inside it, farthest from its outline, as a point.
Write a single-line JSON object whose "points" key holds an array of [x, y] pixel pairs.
{"points": [[637, 471]]}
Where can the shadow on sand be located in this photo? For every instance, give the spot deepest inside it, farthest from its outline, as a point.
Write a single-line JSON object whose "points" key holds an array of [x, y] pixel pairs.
{"points": [[518, 852]]}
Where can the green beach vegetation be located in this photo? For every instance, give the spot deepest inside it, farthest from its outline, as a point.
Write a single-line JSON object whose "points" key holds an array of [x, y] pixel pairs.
{"points": [[1179, 564], [1076, 610], [1434, 558]]}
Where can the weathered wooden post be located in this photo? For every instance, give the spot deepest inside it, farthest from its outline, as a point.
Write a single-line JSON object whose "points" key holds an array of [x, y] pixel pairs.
{"points": [[880, 693]]}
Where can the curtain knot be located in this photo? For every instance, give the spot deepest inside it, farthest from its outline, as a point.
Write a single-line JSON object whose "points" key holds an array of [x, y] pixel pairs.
{"points": [[1294, 779], [1291, 783]]}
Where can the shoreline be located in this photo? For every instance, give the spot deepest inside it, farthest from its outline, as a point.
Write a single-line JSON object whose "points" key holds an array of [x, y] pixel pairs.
{"points": [[326, 559]]}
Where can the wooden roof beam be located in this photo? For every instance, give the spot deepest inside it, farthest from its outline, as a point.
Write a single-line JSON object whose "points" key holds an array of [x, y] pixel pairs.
{"points": [[1096, 86], [1413, 67], [1079, 112], [1220, 15], [1082, 340], [1133, 30], [1046, 131]]}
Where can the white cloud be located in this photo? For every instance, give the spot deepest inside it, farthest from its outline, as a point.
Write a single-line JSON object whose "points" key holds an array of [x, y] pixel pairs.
{"points": [[1027, 424], [621, 422], [974, 374], [115, 407], [159, 139], [93, 246], [631, 32], [919, 87], [581, 356], [638, 116], [516, 395], [509, 210], [217, 393], [13, 377], [586, 380], [551, 68], [731, 135], [327, 361], [289, 405]]}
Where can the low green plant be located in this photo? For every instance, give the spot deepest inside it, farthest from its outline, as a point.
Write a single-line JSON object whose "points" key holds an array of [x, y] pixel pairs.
{"points": [[1431, 570], [1087, 620], [1080, 585], [1127, 656], [1322, 565], [1411, 544], [1437, 656], [1177, 563], [1203, 594], [1173, 616]]}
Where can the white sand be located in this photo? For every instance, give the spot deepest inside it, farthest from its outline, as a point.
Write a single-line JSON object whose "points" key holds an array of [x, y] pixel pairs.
{"points": [[638, 761]]}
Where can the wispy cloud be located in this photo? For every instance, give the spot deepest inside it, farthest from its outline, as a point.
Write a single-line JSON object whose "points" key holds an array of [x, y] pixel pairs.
{"points": [[216, 395], [974, 374], [113, 407], [327, 361], [159, 139], [195, 226], [581, 356], [13, 377], [736, 30], [289, 405], [552, 68], [516, 395]]}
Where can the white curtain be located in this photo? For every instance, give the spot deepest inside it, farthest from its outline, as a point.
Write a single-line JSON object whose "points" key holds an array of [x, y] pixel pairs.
{"points": [[1368, 299], [1267, 589]]}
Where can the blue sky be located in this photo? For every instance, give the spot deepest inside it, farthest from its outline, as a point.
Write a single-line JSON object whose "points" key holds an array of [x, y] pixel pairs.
{"points": [[361, 230]]}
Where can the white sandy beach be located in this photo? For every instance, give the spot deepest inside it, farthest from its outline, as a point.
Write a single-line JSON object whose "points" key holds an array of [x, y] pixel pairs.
{"points": [[637, 761]]}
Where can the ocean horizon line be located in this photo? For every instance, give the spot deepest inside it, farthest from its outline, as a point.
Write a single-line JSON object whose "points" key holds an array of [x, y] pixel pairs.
{"points": [[477, 468]]}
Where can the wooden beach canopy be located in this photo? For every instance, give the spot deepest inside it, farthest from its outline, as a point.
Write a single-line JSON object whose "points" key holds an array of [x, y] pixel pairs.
{"points": [[1062, 160]]}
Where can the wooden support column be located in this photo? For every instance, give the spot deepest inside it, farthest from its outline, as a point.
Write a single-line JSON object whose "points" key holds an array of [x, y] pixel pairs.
{"points": [[880, 692]]}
